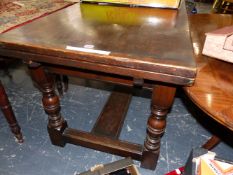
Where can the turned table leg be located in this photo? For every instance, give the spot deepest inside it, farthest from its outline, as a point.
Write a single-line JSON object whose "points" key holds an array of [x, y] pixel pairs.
{"points": [[51, 103], [9, 114], [162, 100]]}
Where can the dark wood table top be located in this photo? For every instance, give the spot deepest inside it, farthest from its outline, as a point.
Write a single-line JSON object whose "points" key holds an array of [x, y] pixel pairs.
{"points": [[151, 42], [213, 87]]}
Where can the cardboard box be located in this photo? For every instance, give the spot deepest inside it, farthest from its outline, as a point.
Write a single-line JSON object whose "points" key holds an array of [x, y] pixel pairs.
{"points": [[218, 44], [204, 162], [121, 167]]}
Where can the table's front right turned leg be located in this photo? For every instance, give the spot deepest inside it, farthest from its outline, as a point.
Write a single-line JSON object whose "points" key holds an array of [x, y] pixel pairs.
{"points": [[162, 100], [51, 103]]}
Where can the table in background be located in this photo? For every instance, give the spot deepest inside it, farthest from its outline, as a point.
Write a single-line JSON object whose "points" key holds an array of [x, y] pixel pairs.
{"points": [[144, 47], [212, 91]]}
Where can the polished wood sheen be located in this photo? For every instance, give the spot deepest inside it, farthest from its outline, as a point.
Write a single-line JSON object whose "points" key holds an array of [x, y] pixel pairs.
{"points": [[51, 103], [9, 114], [144, 47], [213, 87], [156, 124]]}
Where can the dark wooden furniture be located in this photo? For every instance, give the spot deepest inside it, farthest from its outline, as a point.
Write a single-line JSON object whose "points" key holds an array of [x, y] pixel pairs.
{"points": [[144, 47], [61, 81], [9, 114], [213, 88], [4, 66], [223, 6]]}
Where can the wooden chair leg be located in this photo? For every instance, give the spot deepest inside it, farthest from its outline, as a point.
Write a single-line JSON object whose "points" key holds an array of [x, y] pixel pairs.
{"points": [[9, 114], [212, 142]]}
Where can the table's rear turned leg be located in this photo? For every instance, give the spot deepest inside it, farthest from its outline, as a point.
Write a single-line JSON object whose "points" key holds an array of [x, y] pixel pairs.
{"points": [[9, 114], [65, 82], [59, 84], [62, 82], [162, 100], [51, 103]]}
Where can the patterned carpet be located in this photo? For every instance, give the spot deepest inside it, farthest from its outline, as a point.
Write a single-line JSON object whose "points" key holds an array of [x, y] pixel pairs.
{"points": [[16, 13]]}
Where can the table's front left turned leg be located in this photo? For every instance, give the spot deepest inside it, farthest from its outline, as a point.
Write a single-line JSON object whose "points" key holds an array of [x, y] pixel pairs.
{"points": [[51, 103], [9, 114], [162, 100]]}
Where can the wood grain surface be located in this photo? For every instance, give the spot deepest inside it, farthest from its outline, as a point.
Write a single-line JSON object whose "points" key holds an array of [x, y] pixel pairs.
{"points": [[148, 40], [213, 87]]}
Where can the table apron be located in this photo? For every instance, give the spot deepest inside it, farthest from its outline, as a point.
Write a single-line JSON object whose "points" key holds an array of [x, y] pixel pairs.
{"points": [[111, 69]]}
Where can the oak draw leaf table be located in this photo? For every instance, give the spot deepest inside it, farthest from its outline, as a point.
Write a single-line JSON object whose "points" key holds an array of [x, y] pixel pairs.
{"points": [[144, 47]]}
